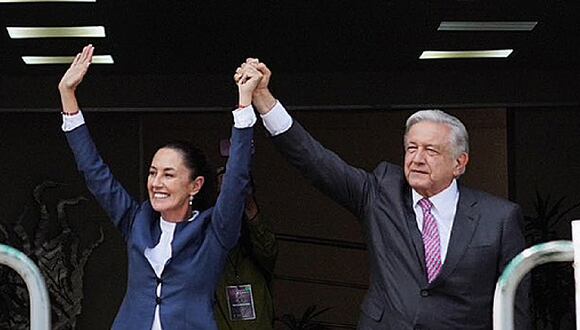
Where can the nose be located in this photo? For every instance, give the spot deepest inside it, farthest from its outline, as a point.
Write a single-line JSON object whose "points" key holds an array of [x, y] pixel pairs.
{"points": [[156, 181], [419, 156]]}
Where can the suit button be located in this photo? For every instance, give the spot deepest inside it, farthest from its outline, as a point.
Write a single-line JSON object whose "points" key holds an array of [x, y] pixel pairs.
{"points": [[424, 293], [158, 300]]}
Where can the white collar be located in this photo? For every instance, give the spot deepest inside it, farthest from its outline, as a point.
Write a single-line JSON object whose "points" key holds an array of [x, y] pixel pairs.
{"points": [[194, 215], [446, 197]]}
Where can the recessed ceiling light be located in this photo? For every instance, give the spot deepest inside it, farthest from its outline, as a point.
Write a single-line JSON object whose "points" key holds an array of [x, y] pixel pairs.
{"points": [[32, 60], [56, 32], [443, 54], [486, 26], [22, 1]]}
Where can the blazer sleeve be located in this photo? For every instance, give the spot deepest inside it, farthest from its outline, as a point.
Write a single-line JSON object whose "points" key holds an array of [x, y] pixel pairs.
{"points": [[347, 185], [229, 208], [109, 193], [513, 242]]}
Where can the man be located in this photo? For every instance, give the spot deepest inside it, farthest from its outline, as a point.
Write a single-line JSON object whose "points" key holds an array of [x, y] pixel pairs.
{"points": [[436, 247]]}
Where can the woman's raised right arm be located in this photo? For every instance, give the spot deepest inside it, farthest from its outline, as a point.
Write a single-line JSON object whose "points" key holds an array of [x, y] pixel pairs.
{"points": [[72, 78], [118, 204]]}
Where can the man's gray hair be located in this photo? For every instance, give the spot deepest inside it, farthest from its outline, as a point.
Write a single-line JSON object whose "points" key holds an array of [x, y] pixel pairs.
{"points": [[459, 137]]}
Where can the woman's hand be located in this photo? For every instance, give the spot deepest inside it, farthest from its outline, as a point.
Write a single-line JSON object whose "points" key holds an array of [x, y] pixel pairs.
{"points": [[262, 99], [72, 78], [247, 77], [77, 70]]}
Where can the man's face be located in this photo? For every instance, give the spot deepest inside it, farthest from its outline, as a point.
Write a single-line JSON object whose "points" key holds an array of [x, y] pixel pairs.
{"points": [[430, 165]]}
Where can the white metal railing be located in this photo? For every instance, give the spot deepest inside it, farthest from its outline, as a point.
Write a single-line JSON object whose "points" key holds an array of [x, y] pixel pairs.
{"points": [[39, 301], [507, 284]]}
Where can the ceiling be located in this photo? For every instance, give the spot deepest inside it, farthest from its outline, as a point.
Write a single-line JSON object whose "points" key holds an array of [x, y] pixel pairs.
{"points": [[189, 36], [213, 37]]}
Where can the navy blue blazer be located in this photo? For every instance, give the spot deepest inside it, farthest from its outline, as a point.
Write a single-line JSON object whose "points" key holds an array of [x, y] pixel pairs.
{"points": [[199, 247], [486, 235]]}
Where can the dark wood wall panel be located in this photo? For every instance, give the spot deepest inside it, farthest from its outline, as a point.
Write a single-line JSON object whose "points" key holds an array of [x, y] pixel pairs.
{"points": [[322, 259], [546, 146], [323, 263], [294, 298], [34, 151]]}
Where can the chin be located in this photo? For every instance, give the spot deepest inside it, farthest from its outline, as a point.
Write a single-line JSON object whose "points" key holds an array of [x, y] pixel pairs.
{"points": [[420, 188], [417, 184], [158, 207]]}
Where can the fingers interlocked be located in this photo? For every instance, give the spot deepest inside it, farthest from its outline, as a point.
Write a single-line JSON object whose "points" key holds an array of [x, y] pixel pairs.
{"points": [[249, 67]]}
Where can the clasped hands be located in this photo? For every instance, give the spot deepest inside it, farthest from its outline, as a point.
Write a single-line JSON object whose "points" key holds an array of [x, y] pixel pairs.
{"points": [[252, 77]]}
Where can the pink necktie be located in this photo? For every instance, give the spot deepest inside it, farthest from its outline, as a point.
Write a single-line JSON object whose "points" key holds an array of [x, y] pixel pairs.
{"points": [[430, 241]]}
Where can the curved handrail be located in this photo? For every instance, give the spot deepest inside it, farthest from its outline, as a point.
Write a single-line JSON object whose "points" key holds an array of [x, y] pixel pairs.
{"points": [[507, 284], [39, 300]]}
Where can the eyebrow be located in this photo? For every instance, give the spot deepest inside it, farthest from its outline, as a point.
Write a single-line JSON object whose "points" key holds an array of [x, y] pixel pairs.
{"points": [[163, 169], [426, 146]]}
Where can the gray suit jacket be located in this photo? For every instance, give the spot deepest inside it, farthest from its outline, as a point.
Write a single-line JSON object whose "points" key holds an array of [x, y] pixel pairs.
{"points": [[486, 235]]}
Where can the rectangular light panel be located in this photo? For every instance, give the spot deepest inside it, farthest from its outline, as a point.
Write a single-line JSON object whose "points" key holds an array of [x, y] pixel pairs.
{"points": [[56, 32], [486, 26], [33, 60], [23, 1], [444, 54]]}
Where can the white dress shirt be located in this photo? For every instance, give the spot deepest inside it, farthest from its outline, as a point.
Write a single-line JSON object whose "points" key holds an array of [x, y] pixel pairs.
{"points": [[444, 208]]}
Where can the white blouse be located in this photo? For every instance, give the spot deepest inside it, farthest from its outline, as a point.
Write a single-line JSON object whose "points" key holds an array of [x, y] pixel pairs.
{"points": [[159, 255]]}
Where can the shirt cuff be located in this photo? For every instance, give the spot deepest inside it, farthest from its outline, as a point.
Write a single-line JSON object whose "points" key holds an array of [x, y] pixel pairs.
{"points": [[277, 120], [71, 122], [244, 117]]}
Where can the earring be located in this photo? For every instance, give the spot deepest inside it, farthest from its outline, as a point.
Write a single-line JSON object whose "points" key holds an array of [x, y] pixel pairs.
{"points": [[191, 199]]}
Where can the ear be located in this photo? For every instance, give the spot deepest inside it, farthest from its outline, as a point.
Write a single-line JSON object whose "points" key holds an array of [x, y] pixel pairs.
{"points": [[196, 185], [460, 164]]}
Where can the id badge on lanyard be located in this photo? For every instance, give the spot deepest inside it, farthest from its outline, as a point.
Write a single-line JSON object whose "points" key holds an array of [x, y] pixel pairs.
{"points": [[241, 302]]}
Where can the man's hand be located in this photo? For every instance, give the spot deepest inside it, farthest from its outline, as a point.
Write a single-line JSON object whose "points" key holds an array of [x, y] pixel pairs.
{"points": [[266, 74], [77, 70], [263, 100]]}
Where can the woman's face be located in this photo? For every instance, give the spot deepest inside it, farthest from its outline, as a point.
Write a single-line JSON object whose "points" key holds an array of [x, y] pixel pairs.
{"points": [[170, 185]]}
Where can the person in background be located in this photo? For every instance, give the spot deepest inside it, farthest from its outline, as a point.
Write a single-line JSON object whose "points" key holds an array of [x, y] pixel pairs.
{"points": [[244, 298], [177, 240]]}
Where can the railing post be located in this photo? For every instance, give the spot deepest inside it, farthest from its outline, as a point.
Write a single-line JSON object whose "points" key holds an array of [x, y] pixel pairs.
{"points": [[576, 242], [39, 301]]}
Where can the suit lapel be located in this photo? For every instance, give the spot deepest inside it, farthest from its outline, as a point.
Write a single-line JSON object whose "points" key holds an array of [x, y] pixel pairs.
{"points": [[464, 225], [189, 233], [414, 232], [147, 232]]}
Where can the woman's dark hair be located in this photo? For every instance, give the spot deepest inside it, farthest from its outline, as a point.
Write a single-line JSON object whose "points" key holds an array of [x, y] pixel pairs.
{"points": [[198, 164]]}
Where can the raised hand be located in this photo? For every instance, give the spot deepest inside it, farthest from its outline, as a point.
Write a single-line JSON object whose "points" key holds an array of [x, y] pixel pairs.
{"points": [[72, 78], [77, 70], [262, 99], [266, 74], [247, 78]]}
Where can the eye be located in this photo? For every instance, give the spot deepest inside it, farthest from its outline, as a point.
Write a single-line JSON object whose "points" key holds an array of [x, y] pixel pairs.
{"points": [[432, 151], [169, 175], [152, 173], [411, 148]]}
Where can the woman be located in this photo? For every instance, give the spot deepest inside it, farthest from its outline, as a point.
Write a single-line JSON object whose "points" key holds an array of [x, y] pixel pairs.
{"points": [[176, 246]]}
